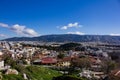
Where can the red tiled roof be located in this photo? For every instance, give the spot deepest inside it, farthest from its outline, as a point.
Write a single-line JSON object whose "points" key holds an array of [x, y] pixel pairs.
{"points": [[48, 60], [67, 59]]}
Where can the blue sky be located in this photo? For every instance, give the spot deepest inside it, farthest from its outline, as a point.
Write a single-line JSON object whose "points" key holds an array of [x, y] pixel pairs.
{"points": [[41, 17]]}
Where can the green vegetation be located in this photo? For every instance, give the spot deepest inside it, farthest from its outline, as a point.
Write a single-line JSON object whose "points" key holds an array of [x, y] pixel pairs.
{"points": [[64, 47], [34, 73], [108, 66], [9, 61], [68, 77], [113, 77], [81, 63], [69, 46], [61, 56], [12, 77]]}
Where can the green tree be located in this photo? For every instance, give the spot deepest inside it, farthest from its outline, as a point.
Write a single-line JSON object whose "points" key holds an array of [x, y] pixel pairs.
{"points": [[9, 61], [69, 46], [81, 63], [61, 55], [107, 66]]}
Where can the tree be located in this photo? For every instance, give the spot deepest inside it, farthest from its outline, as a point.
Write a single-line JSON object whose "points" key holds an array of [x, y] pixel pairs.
{"points": [[80, 48], [61, 55], [69, 46], [67, 78], [113, 77], [81, 63], [9, 61], [107, 66]]}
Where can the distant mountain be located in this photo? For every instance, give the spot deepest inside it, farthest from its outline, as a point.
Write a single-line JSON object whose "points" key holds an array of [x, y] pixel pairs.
{"points": [[69, 38]]}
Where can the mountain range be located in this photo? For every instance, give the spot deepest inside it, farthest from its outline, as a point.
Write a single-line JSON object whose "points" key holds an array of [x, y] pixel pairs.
{"points": [[69, 38]]}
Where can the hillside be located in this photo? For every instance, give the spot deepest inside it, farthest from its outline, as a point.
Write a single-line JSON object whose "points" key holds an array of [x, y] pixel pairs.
{"points": [[69, 38], [34, 73]]}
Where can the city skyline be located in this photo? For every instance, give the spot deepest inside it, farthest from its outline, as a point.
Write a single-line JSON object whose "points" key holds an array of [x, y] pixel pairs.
{"points": [[30, 18]]}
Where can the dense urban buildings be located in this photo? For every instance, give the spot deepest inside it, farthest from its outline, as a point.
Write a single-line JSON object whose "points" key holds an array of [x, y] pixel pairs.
{"points": [[89, 60]]}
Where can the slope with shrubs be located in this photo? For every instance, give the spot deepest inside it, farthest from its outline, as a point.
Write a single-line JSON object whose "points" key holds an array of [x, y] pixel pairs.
{"points": [[33, 73]]}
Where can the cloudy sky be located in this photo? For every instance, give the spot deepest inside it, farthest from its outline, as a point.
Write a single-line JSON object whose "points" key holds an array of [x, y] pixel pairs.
{"points": [[41, 17]]}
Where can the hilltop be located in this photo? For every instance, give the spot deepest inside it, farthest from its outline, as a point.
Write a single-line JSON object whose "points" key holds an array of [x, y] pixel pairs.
{"points": [[69, 38]]}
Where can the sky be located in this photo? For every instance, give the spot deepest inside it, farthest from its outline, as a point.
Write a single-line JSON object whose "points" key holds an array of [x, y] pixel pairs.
{"points": [[31, 18]]}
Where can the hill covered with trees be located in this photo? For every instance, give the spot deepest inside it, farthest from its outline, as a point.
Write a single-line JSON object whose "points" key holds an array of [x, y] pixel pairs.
{"points": [[69, 38]]}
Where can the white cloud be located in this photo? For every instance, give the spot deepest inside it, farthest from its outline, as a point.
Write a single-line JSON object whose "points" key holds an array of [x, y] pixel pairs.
{"points": [[77, 32], [17, 28], [30, 32], [71, 25], [114, 34], [20, 30], [23, 30], [3, 25], [3, 35]]}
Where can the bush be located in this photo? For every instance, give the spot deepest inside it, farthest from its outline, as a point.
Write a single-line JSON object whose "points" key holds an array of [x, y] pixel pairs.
{"points": [[67, 78]]}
